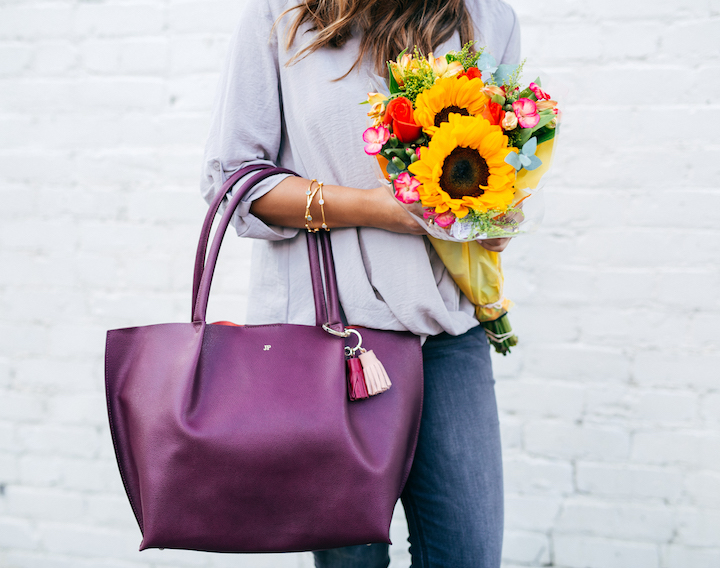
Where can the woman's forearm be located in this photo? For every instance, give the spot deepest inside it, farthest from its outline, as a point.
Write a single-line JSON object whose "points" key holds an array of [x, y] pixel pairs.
{"points": [[284, 206]]}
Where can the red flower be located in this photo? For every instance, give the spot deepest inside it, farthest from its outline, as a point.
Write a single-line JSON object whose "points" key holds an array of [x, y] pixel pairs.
{"points": [[493, 113], [472, 73], [399, 113]]}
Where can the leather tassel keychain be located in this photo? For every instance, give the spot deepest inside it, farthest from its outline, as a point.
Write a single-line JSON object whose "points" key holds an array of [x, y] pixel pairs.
{"points": [[356, 379], [357, 388], [376, 377], [366, 374]]}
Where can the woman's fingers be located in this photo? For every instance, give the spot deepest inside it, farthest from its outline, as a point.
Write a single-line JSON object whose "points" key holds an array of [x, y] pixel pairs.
{"points": [[495, 245]]}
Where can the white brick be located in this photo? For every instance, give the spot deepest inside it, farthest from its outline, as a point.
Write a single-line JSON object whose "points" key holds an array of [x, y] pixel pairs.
{"points": [[85, 541], [51, 505], [20, 407], [50, 439], [57, 375], [192, 93], [35, 20], [130, 93], [123, 56], [23, 339], [197, 16], [667, 407], [697, 449], [510, 432], [704, 488], [8, 437], [629, 481], [9, 470], [197, 54], [119, 19], [711, 409], [619, 520], [698, 527], [531, 513], [15, 58], [569, 441], [531, 476], [526, 547], [678, 556], [76, 340], [6, 373], [17, 559], [54, 58], [578, 363], [587, 552], [109, 511], [85, 408], [541, 398], [673, 369], [17, 533]]}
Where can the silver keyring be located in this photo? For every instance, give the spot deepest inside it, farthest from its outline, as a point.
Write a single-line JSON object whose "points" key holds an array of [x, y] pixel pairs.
{"points": [[331, 331], [356, 332]]}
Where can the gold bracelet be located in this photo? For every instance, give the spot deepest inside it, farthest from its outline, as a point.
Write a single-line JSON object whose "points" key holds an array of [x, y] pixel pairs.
{"points": [[310, 196], [321, 201]]}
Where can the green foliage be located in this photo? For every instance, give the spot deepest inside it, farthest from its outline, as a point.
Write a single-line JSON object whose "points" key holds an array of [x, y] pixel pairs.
{"points": [[417, 82], [544, 134], [487, 222], [392, 84], [467, 55]]}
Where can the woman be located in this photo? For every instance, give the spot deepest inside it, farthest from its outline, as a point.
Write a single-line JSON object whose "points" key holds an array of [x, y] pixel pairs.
{"points": [[289, 96]]}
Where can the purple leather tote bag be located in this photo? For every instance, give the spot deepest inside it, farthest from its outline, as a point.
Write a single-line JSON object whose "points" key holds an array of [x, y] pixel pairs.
{"points": [[243, 439]]}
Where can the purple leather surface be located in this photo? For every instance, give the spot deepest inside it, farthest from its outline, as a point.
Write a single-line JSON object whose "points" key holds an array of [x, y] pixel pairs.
{"points": [[242, 439]]}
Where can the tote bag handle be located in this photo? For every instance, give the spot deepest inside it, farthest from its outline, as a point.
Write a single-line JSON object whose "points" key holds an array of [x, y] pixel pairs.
{"points": [[325, 303]]}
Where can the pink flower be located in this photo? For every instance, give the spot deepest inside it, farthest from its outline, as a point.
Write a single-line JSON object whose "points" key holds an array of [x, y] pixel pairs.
{"points": [[526, 112], [375, 136], [538, 92], [406, 188], [446, 219]]}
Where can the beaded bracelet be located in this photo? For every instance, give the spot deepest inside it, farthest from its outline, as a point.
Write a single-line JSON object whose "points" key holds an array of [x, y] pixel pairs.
{"points": [[310, 196], [321, 201]]}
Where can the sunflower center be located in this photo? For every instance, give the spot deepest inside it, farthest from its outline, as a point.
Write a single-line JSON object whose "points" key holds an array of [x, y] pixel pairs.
{"points": [[463, 172], [444, 114]]}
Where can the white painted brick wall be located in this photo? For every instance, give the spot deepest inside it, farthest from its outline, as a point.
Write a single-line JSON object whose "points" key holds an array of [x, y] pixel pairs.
{"points": [[610, 406]]}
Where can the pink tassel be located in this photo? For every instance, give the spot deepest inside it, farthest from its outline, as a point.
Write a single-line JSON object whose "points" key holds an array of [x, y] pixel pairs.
{"points": [[356, 380], [376, 377]]}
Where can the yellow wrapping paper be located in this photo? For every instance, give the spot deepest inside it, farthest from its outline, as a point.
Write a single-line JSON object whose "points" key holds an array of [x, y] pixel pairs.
{"points": [[478, 273]]}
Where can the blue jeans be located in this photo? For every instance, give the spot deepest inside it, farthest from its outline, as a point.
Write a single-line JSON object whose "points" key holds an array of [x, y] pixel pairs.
{"points": [[453, 498]]}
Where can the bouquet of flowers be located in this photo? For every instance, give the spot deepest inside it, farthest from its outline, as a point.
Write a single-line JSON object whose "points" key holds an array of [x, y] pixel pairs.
{"points": [[464, 145]]}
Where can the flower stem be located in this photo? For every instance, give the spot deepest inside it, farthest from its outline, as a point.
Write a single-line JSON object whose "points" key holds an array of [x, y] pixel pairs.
{"points": [[500, 334]]}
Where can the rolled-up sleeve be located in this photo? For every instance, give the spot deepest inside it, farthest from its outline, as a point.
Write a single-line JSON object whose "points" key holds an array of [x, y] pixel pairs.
{"points": [[246, 123]]}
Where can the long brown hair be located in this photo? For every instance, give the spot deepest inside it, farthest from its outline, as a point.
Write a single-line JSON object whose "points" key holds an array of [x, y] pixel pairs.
{"points": [[387, 26]]}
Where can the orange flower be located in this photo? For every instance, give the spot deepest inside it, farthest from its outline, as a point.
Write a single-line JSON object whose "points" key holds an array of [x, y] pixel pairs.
{"points": [[399, 114]]}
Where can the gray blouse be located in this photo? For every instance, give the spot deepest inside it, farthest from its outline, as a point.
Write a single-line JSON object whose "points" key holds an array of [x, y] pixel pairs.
{"points": [[299, 118]]}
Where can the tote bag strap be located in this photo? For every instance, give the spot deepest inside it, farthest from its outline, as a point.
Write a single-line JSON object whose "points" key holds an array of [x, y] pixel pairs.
{"points": [[212, 211], [323, 303]]}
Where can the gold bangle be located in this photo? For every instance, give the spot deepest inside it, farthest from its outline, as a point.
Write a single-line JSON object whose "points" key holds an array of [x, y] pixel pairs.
{"points": [[310, 196], [321, 201]]}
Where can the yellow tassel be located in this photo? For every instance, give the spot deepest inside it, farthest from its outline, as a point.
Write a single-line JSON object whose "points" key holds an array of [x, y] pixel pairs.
{"points": [[376, 377]]}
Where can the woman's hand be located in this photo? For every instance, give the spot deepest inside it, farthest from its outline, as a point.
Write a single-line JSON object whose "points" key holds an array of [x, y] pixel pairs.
{"points": [[495, 245], [388, 213]]}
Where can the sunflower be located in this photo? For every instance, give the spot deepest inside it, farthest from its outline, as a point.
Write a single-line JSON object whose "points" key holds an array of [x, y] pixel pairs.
{"points": [[464, 167], [451, 95]]}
